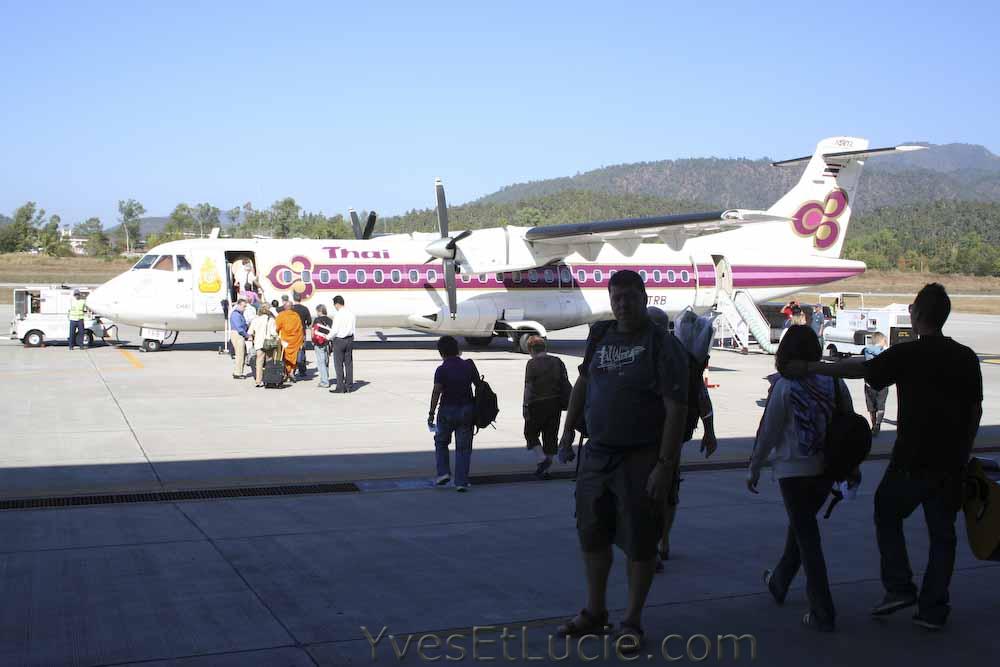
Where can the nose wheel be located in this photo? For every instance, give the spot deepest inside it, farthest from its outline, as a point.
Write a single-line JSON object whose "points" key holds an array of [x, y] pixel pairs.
{"points": [[151, 345]]}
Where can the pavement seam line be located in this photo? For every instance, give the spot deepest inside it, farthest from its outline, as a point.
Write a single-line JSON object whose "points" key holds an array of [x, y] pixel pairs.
{"points": [[236, 571], [210, 654], [125, 419]]}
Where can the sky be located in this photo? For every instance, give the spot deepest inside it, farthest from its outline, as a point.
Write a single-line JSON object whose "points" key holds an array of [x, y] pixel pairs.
{"points": [[363, 104]]}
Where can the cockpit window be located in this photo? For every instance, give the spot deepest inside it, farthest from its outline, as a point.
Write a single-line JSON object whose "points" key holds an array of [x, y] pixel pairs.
{"points": [[145, 262], [182, 263], [164, 263]]}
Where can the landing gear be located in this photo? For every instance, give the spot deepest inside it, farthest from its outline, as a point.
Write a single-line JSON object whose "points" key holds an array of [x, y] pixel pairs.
{"points": [[154, 340], [520, 339], [151, 345], [479, 341]]}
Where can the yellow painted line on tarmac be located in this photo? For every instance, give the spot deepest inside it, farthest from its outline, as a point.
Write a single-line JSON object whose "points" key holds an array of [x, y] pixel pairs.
{"points": [[132, 359]]}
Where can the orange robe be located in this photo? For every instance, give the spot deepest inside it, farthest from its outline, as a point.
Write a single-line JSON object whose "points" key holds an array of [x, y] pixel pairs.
{"points": [[289, 326]]}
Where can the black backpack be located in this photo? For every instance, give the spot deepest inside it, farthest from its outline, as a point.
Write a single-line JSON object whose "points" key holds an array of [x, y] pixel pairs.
{"points": [[487, 407], [848, 443]]}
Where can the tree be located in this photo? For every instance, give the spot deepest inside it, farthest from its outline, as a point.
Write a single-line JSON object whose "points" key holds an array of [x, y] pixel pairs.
{"points": [[181, 221], [285, 217], [234, 216], [21, 235], [129, 213], [207, 217], [98, 244], [50, 238]]}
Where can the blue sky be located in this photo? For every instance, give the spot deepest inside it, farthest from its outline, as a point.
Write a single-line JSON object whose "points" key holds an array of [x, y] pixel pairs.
{"points": [[364, 104]]}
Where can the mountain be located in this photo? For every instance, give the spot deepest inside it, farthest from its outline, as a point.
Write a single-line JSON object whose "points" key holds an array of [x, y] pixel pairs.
{"points": [[147, 226], [960, 172], [4, 220]]}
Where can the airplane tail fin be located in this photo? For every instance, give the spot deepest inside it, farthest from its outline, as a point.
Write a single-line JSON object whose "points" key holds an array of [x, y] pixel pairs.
{"points": [[820, 203]]}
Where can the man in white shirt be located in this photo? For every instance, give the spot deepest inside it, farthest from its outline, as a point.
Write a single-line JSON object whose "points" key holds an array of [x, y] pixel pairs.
{"points": [[342, 332]]}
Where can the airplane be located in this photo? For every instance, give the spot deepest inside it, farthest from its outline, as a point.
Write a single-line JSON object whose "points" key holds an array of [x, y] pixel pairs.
{"points": [[514, 281]]}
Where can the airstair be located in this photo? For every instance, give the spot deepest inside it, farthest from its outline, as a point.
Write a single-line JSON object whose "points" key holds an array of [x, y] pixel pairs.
{"points": [[737, 308]]}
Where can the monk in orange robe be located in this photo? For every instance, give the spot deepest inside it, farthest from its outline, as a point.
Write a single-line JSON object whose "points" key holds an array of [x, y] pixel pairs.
{"points": [[289, 326]]}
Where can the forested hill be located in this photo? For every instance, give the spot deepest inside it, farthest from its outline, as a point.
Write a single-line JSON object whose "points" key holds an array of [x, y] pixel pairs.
{"points": [[942, 236], [952, 171]]}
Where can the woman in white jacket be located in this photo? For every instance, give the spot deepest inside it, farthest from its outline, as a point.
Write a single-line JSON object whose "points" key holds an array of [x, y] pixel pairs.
{"points": [[261, 328], [794, 429]]}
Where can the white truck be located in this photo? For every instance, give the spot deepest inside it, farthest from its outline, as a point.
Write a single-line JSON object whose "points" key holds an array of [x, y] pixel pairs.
{"points": [[41, 314], [852, 328]]}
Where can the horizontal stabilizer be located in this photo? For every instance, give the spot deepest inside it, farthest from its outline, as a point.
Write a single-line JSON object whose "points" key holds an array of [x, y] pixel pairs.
{"points": [[851, 155]]}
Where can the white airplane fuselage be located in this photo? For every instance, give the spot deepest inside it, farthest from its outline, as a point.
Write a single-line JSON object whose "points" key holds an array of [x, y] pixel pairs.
{"points": [[386, 282]]}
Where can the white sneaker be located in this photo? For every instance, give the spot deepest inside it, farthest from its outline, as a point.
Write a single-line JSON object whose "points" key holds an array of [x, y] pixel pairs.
{"points": [[442, 480], [463, 488]]}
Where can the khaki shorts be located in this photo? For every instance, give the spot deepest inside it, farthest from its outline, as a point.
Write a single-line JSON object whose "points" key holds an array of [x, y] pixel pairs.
{"points": [[612, 506]]}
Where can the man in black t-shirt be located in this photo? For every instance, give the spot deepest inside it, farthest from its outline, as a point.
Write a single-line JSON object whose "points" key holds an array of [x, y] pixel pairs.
{"points": [[632, 391], [940, 394], [306, 317]]}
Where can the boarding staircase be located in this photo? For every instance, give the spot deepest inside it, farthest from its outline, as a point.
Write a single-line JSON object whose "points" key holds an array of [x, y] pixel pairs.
{"points": [[737, 307]]}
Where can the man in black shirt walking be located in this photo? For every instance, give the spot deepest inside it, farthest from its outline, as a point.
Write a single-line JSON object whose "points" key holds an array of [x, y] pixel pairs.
{"points": [[940, 394]]}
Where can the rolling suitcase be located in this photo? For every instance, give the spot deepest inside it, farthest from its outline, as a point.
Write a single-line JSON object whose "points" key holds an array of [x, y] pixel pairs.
{"points": [[274, 372]]}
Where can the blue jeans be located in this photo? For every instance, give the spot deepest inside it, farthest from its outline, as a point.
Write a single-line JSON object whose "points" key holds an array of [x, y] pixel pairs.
{"points": [[457, 418], [322, 363], [76, 335]]}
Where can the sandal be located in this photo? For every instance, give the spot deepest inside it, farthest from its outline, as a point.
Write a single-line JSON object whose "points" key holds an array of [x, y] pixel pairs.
{"points": [[584, 623], [632, 647]]}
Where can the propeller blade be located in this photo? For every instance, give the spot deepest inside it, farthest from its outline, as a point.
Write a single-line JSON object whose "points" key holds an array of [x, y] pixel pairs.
{"points": [[369, 226], [355, 223], [454, 241], [449, 283], [442, 208]]}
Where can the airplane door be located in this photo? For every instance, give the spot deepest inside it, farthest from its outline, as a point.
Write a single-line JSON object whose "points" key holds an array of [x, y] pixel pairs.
{"points": [[209, 281], [703, 269], [723, 274], [183, 284]]}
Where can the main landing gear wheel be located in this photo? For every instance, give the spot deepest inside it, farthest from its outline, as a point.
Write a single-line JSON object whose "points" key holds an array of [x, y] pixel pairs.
{"points": [[151, 345], [479, 341], [88, 338], [521, 341], [34, 338]]}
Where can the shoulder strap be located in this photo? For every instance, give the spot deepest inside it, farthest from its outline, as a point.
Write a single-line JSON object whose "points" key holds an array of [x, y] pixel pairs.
{"points": [[597, 333]]}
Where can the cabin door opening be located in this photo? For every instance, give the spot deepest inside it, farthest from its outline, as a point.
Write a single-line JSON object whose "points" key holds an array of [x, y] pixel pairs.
{"points": [[242, 273]]}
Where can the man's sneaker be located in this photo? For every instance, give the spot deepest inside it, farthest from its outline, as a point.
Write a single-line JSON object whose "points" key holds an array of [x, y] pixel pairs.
{"points": [[543, 467], [442, 480], [926, 623], [462, 488], [893, 602]]}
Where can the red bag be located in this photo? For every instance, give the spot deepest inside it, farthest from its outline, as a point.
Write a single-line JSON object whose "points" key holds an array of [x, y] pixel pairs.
{"points": [[320, 334]]}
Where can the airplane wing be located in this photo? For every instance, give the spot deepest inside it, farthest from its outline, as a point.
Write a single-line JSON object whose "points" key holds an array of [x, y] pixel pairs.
{"points": [[626, 234]]}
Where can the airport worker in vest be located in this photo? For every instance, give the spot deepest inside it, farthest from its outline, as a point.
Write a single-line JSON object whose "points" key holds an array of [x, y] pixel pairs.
{"points": [[77, 313]]}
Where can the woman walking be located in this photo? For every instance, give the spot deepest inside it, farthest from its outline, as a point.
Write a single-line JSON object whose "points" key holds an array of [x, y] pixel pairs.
{"points": [[794, 427]]}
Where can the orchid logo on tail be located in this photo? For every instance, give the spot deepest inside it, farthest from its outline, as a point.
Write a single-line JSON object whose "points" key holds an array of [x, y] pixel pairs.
{"points": [[819, 220]]}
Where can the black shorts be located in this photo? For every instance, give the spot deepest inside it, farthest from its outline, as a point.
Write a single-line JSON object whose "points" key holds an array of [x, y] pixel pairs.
{"points": [[612, 506], [875, 398]]}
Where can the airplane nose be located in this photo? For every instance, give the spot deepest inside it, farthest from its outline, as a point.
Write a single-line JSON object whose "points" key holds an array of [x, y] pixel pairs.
{"points": [[100, 302]]}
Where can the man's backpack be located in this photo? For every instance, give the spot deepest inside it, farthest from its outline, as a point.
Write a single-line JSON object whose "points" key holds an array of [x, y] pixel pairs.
{"points": [[487, 407], [320, 334], [848, 443]]}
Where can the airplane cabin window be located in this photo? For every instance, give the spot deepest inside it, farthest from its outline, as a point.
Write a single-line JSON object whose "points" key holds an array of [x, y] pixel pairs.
{"points": [[182, 263], [342, 276], [164, 263], [644, 275], [567, 276], [499, 277], [396, 275], [360, 275], [533, 276], [599, 275], [324, 275], [581, 276], [145, 262], [549, 276], [657, 276], [466, 278], [671, 276], [482, 277], [685, 276], [378, 275], [414, 276], [432, 275], [517, 276]]}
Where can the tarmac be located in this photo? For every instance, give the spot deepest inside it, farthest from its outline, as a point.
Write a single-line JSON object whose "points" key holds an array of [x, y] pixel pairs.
{"points": [[294, 577]]}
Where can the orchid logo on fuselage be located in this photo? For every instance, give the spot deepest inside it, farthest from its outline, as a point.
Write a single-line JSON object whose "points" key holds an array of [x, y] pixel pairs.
{"points": [[820, 220]]}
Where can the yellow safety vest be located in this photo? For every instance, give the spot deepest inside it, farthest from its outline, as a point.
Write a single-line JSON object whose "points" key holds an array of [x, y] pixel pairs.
{"points": [[77, 308]]}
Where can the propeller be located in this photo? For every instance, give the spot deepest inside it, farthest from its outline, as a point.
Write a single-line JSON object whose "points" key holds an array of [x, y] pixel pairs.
{"points": [[355, 223], [445, 248], [369, 226]]}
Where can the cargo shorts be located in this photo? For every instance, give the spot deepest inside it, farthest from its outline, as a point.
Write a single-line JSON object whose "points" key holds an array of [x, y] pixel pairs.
{"points": [[612, 506]]}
